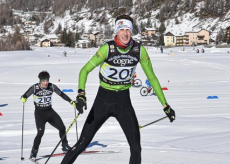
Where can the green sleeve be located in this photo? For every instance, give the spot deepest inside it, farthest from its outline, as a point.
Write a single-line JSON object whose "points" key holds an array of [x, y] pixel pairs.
{"points": [[97, 59], [146, 65]]}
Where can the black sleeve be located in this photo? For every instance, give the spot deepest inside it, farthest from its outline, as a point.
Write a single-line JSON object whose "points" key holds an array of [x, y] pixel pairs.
{"points": [[60, 93], [29, 92]]}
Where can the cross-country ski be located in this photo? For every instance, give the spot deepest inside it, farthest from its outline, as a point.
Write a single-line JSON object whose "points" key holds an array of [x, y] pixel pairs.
{"points": [[84, 152], [34, 160]]}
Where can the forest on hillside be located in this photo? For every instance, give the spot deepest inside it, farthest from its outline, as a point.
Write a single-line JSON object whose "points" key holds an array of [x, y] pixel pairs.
{"points": [[140, 9], [208, 8]]}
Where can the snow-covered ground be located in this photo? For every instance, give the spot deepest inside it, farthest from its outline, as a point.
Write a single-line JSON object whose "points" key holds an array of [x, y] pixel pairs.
{"points": [[200, 134]]}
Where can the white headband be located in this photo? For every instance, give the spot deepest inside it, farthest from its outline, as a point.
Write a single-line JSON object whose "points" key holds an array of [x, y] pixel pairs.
{"points": [[123, 24]]}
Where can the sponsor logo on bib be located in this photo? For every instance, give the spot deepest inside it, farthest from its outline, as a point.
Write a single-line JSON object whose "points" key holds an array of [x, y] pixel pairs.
{"points": [[123, 62]]}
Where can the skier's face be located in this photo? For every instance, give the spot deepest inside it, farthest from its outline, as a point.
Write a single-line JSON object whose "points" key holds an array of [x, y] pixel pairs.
{"points": [[44, 83], [124, 35]]}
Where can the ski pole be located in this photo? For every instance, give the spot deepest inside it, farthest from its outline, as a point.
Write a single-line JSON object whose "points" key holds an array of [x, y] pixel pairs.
{"points": [[63, 137], [140, 127], [22, 158], [76, 123]]}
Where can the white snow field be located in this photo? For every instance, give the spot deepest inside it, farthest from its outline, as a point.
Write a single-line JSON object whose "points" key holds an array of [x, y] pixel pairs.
{"points": [[199, 135]]}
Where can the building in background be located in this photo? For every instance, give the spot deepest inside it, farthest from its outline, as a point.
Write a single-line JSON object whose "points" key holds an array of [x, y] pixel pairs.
{"points": [[169, 39], [44, 43], [181, 40], [198, 37], [48, 40], [95, 38], [191, 38], [83, 44], [52, 37], [148, 31], [228, 34]]}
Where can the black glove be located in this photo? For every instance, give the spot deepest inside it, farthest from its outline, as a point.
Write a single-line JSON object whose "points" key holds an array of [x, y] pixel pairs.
{"points": [[170, 113], [81, 102]]}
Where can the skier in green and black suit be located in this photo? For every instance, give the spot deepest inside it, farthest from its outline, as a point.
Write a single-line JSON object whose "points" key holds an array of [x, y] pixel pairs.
{"points": [[118, 60], [42, 94]]}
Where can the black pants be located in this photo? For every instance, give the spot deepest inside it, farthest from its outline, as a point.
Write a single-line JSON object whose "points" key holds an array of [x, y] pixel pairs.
{"points": [[109, 104], [41, 118]]}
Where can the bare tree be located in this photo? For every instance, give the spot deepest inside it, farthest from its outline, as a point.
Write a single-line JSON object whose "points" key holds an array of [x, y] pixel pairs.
{"points": [[47, 25], [187, 3], [82, 28], [14, 42], [193, 4], [221, 7], [108, 32]]}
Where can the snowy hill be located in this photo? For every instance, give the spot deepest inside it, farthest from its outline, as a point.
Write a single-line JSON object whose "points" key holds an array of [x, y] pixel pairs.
{"points": [[179, 16], [103, 19]]}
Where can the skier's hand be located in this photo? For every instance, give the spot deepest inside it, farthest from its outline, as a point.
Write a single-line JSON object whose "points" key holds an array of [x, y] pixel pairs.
{"points": [[81, 102], [23, 99], [170, 113], [73, 104]]}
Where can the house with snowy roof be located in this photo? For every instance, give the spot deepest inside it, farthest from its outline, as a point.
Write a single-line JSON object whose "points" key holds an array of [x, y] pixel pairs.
{"points": [[189, 38], [169, 39], [85, 36], [198, 37], [52, 37], [181, 39], [83, 44], [148, 31], [95, 36], [44, 43]]}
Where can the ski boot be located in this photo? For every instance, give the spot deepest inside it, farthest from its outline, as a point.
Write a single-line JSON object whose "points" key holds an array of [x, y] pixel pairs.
{"points": [[33, 155], [65, 147]]}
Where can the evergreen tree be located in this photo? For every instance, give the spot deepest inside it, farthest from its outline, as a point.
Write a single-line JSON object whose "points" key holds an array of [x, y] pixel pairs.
{"points": [[35, 18], [177, 21], [77, 36], [142, 26], [220, 36], [225, 38], [135, 29], [64, 37], [162, 28], [71, 39], [228, 41], [149, 25], [59, 29], [161, 40], [46, 26]]}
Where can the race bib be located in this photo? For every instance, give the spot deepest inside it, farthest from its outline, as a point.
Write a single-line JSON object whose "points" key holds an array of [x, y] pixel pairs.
{"points": [[117, 74], [43, 100]]}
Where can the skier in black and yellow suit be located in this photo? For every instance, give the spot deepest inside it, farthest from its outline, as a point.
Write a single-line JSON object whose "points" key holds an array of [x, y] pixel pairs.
{"points": [[42, 94]]}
